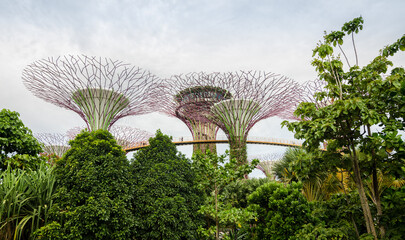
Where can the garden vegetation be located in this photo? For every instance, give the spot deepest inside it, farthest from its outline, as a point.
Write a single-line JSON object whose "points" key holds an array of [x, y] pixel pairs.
{"points": [[355, 189]]}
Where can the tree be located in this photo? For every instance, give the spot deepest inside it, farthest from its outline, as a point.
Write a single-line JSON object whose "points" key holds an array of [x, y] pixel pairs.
{"points": [[281, 210], [360, 99], [166, 197], [17, 144], [94, 193], [214, 173]]}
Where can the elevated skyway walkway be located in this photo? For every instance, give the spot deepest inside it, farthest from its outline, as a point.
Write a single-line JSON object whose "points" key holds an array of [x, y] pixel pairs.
{"points": [[223, 139]]}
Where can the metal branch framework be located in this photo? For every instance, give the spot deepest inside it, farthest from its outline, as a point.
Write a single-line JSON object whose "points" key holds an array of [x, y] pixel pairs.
{"points": [[307, 93], [100, 90], [255, 96], [125, 136], [53, 143], [189, 98], [267, 162], [234, 102]]}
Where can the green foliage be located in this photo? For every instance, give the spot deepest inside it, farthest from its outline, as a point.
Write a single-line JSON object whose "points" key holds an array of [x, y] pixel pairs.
{"points": [[214, 173], [26, 199], [166, 197], [360, 97], [236, 193], [353, 26], [51, 231], [342, 212], [319, 232], [316, 170], [390, 50], [94, 194], [281, 210], [17, 144], [393, 202]]}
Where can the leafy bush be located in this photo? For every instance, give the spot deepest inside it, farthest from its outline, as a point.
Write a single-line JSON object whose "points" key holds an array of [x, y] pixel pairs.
{"points": [[282, 210], [18, 147], [393, 202], [342, 212], [166, 198], [236, 193], [26, 197], [94, 194]]}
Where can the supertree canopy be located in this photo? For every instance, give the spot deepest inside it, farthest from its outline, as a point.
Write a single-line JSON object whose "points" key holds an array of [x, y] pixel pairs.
{"points": [[53, 143], [100, 90], [255, 96], [307, 93], [267, 162], [125, 136], [190, 98]]}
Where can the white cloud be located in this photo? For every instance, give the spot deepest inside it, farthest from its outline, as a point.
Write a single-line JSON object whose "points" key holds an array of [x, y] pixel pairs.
{"points": [[172, 37]]}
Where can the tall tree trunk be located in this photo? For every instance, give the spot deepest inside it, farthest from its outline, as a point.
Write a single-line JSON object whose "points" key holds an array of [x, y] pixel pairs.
{"points": [[377, 199], [348, 204], [362, 194], [376, 188], [216, 213]]}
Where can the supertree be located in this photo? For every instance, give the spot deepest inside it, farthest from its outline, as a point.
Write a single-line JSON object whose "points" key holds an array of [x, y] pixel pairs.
{"points": [[266, 163], [100, 90], [125, 136], [53, 143], [308, 93], [256, 96], [189, 98]]}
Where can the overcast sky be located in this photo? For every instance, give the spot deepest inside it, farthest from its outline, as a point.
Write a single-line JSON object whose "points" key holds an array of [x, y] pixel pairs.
{"points": [[173, 37]]}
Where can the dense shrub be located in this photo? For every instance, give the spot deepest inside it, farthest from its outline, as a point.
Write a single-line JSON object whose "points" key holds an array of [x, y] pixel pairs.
{"points": [[281, 210], [236, 193], [343, 212], [393, 202], [166, 198], [18, 147], [94, 191]]}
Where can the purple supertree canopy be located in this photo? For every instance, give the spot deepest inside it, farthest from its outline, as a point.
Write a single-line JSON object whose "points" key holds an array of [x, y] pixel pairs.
{"points": [[307, 93], [255, 96], [267, 162], [53, 143], [234, 101], [100, 90], [125, 136], [189, 98]]}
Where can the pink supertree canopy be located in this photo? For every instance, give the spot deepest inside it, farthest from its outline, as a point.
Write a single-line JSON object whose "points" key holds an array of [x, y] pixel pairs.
{"points": [[267, 162], [53, 143], [307, 93], [125, 136], [100, 90], [255, 96], [189, 98], [234, 102]]}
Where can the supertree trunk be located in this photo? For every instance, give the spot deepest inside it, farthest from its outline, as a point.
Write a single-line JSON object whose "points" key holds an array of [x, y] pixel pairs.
{"points": [[189, 98], [237, 149], [204, 131], [255, 96], [236, 116]]}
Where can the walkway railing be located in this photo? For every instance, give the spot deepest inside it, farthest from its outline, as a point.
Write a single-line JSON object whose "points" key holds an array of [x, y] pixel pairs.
{"points": [[222, 139]]}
